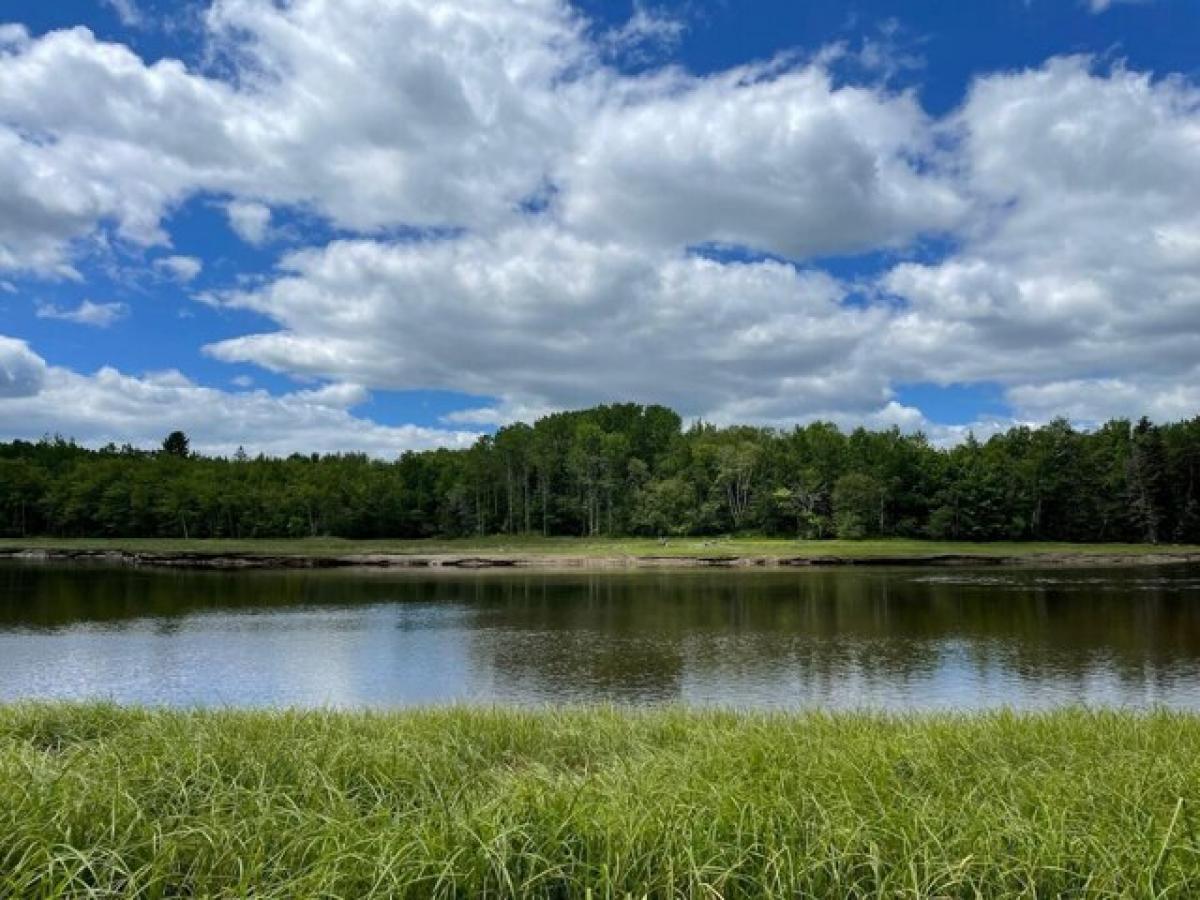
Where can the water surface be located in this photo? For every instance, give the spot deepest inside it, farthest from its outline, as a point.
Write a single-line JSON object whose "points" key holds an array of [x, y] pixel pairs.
{"points": [[836, 638]]}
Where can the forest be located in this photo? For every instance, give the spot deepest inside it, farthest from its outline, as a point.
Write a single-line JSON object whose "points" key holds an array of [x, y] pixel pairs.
{"points": [[627, 469]]}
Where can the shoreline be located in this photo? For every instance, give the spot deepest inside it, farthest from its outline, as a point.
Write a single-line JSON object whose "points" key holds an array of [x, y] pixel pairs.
{"points": [[238, 560]]}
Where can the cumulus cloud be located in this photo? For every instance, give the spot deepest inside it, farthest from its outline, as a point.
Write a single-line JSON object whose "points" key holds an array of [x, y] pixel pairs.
{"points": [[446, 116], [22, 371], [1089, 401], [108, 406], [779, 160], [1074, 193], [98, 315], [402, 113], [543, 319], [13, 34], [406, 112], [91, 134], [249, 220], [181, 268], [1085, 254]]}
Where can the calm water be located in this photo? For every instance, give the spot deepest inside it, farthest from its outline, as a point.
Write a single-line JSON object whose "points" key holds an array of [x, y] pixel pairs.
{"points": [[900, 638]]}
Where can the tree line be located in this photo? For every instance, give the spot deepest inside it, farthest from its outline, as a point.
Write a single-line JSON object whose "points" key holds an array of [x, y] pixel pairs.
{"points": [[627, 469]]}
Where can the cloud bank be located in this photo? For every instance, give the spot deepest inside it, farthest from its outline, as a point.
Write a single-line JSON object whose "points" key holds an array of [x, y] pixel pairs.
{"points": [[110, 407]]}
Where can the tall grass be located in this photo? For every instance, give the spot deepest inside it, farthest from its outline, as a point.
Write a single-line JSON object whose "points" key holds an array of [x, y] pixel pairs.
{"points": [[100, 801], [601, 547]]}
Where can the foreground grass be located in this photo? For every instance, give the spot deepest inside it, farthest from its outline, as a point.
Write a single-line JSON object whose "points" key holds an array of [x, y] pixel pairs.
{"points": [[100, 801], [601, 547]]}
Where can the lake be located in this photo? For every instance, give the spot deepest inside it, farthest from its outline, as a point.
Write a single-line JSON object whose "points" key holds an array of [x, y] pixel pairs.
{"points": [[895, 639]]}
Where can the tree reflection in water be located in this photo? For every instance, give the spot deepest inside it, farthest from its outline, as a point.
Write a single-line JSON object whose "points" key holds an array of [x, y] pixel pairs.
{"points": [[899, 638]]}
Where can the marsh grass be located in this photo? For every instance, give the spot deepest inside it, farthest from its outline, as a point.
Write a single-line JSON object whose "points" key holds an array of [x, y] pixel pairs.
{"points": [[602, 547], [101, 801]]}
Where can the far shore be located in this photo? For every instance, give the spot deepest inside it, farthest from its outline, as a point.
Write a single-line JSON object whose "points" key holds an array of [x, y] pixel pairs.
{"points": [[602, 554]]}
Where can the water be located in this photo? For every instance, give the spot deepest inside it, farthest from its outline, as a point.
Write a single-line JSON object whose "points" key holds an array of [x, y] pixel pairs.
{"points": [[837, 638]]}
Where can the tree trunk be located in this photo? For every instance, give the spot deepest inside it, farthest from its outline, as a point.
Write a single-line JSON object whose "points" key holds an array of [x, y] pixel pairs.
{"points": [[525, 499]]}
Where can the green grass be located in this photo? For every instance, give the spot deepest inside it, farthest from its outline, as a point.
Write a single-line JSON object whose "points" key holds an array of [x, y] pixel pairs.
{"points": [[600, 547], [100, 801]]}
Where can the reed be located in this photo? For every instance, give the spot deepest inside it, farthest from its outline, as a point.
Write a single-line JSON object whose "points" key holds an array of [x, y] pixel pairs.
{"points": [[103, 801]]}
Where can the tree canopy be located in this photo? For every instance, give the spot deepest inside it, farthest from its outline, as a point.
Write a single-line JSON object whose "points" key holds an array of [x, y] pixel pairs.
{"points": [[626, 469]]}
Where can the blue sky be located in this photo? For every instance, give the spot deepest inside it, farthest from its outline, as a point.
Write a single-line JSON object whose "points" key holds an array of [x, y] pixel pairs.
{"points": [[765, 212]]}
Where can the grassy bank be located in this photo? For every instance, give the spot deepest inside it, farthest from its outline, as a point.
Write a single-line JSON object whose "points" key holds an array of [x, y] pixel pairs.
{"points": [[100, 801], [605, 548]]}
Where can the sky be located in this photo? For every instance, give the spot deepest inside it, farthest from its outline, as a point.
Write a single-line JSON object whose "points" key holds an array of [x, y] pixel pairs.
{"points": [[385, 225]]}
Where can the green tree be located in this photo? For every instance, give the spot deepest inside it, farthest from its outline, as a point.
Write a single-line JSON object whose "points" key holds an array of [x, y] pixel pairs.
{"points": [[1148, 498], [857, 499], [626, 468], [176, 444]]}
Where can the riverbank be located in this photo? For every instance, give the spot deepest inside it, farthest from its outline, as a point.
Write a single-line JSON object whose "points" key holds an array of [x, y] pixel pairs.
{"points": [[581, 553], [107, 801]]}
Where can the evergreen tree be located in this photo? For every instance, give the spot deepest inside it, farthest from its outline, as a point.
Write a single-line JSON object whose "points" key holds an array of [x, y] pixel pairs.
{"points": [[176, 444]]}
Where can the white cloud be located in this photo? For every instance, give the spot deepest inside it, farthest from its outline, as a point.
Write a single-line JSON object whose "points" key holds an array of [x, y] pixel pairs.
{"points": [[405, 112], [1099, 6], [890, 51], [400, 114], [127, 11], [499, 414], [544, 319], [22, 371], [99, 315], [90, 134], [1084, 258], [249, 220], [1080, 254], [1090, 401], [338, 395], [37, 399], [181, 268], [13, 34], [777, 159], [450, 115], [647, 31]]}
